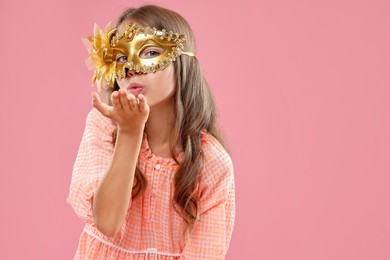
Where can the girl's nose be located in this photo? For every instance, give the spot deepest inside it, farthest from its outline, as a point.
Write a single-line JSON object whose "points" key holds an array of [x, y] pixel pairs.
{"points": [[130, 73]]}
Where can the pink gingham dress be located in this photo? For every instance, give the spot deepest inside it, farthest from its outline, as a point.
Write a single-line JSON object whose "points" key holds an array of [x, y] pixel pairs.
{"points": [[153, 229]]}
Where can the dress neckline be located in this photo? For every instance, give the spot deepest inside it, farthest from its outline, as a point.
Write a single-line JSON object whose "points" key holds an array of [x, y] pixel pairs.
{"points": [[147, 154]]}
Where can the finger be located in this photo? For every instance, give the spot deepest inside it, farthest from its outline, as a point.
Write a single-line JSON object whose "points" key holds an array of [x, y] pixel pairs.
{"points": [[123, 99], [132, 101], [143, 106], [115, 100], [99, 105]]}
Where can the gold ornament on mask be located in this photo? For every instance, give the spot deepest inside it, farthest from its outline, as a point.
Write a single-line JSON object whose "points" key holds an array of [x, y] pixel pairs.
{"points": [[106, 48]]}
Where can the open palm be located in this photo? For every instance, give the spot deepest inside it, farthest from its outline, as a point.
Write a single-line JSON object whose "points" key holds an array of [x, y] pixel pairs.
{"points": [[128, 111]]}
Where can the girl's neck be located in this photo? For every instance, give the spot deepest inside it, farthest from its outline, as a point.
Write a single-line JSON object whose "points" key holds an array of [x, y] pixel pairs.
{"points": [[158, 126]]}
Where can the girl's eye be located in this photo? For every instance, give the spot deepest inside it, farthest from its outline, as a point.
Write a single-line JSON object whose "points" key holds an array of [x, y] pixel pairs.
{"points": [[151, 53], [122, 58]]}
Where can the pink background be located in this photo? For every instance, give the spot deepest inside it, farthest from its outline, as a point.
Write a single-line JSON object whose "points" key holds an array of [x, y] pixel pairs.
{"points": [[303, 93]]}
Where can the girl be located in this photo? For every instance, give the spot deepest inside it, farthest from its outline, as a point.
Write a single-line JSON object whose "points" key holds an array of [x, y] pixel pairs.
{"points": [[152, 177]]}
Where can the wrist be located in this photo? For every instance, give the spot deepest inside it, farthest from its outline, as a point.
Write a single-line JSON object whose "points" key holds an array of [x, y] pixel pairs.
{"points": [[130, 131]]}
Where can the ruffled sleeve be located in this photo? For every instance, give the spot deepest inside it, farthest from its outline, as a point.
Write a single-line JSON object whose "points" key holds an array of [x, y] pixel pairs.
{"points": [[211, 236], [92, 162]]}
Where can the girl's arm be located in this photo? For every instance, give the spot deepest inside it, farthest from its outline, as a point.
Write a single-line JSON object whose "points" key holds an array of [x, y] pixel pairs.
{"points": [[211, 236], [113, 195], [112, 198]]}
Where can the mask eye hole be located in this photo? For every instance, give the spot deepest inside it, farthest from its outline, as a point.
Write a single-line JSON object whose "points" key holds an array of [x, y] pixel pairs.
{"points": [[121, 58], [151, 52]]}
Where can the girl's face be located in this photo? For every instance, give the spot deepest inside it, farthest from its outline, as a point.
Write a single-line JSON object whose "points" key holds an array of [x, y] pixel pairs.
{"points": [[158, 87]]}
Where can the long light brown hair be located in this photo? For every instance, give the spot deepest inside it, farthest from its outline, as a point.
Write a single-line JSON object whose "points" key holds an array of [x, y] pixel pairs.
{"points": [[194, 109]]}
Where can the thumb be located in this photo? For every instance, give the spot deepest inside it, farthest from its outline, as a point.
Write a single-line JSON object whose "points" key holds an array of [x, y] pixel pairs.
{"points": [[99, 105]]}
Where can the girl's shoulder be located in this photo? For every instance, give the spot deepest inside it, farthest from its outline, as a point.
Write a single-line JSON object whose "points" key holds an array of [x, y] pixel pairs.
{"points": [[214, 152], [218, 166]]}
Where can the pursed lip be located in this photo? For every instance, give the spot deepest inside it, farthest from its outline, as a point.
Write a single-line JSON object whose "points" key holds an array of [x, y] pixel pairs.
{"points": [[134, 85], [135, 88]]}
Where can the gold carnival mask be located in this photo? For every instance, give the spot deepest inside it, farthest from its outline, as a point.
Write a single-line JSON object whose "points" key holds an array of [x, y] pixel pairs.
{"points": [[113, 51]]}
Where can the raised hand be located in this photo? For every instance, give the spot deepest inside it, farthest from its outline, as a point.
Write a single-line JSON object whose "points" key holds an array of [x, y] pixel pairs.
{"points": [[129, 112]]}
